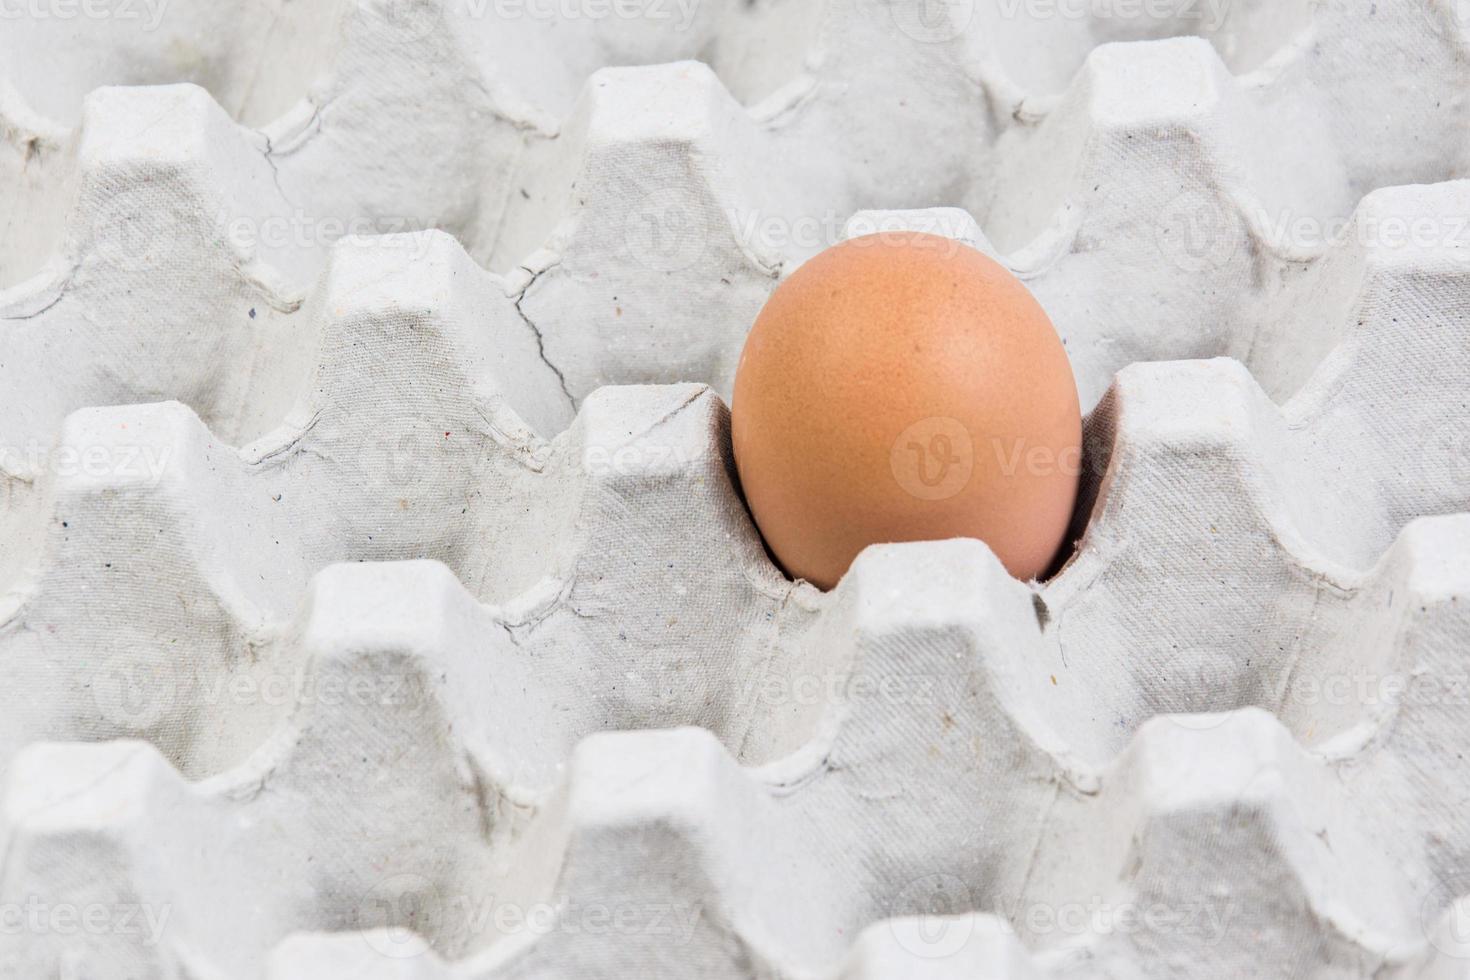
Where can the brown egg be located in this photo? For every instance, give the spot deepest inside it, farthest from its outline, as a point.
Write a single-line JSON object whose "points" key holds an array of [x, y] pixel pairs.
{"points": [[904, 387]]}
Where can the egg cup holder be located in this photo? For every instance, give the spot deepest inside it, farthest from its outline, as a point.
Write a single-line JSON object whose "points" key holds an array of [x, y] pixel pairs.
{"points": [[376, 600]]}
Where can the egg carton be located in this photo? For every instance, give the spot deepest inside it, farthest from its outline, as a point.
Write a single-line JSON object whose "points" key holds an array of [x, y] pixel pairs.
{"points": [[596, 731], [641, 215]]}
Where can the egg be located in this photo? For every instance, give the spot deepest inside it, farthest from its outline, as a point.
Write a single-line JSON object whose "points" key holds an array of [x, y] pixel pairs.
{"points": [[905, 387]]}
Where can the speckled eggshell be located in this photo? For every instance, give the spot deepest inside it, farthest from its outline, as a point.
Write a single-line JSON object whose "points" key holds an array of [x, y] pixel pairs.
{"points": [[905, 387]]}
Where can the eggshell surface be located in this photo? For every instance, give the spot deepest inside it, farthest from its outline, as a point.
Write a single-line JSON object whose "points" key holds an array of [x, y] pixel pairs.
{"points": [[905, 387]]}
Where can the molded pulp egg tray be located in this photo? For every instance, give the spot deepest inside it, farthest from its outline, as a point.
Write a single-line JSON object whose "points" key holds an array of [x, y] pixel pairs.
{"points": [[377, 600]]}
